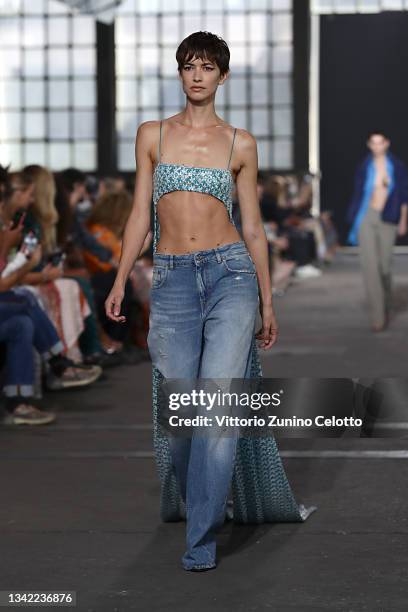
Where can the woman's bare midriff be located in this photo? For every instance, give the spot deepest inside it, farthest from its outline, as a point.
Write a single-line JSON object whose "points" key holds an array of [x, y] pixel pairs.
{"points": [[192, 221]]}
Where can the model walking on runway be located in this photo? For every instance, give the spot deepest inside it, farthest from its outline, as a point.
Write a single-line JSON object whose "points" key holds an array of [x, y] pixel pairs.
{"points": [[207, 286], [378, 213]]}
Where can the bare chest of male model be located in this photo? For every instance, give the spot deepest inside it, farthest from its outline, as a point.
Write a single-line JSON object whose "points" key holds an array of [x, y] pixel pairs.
{"points": [[381, 183]]}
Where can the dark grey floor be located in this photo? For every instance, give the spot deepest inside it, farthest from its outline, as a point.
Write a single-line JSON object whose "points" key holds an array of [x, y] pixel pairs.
{"points": [[325, 330], [80, 498]]}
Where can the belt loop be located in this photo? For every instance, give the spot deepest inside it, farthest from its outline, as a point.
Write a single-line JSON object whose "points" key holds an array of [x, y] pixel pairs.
{"points": [[218, 256], [171, 264]]}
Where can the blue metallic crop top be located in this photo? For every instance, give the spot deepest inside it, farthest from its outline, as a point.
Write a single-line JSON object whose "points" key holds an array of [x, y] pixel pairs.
{"points": [[168, 177]]}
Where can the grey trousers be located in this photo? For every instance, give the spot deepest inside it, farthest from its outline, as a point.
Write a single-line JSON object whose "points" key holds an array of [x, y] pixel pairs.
{"points": [[376, 239]]}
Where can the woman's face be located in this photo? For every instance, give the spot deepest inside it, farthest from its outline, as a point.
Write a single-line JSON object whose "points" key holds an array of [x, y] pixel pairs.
{"points": [[200, 78]]}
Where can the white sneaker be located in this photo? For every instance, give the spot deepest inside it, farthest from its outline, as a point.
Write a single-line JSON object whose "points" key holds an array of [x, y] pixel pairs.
{"points": [[307, 271]]}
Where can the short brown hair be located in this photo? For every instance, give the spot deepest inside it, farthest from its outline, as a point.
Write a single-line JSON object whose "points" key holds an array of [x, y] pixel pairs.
{"points": [[204, 45], [378, 133]]}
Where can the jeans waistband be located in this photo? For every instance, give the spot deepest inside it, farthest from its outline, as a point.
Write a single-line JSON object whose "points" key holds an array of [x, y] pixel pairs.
{"points": [[215, 253]]}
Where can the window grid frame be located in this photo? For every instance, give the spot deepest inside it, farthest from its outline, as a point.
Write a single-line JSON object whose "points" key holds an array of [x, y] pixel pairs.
{"points": [[226, 108], [23, 142]]}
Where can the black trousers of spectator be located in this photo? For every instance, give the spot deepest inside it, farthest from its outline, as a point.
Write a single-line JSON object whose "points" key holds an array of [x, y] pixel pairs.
{"points": [[102, 283], [302, 247]]}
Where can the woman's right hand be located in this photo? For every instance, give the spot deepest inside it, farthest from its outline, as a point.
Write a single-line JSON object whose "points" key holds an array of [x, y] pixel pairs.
{"points": [[268, 334], [113, 303]]}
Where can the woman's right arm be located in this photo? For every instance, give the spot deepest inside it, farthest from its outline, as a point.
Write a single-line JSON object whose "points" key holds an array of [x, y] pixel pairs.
{"points": [[138, 224]]}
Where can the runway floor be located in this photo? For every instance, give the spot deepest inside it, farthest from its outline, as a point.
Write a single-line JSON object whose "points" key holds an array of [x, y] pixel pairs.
{"points": [[80, 498]]}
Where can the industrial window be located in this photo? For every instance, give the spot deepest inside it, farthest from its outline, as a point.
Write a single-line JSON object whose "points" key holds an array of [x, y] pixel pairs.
{"points": [[47, 85], [257, 96]]}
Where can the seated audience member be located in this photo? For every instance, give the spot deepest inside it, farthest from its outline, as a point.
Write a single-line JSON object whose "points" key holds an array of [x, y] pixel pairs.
{"points": [[25, 326], [72, 234], [300, 196], [75, 238], [62, 298], [10, 234], [280, 269], [78, 319], [276, 208], [106, 223]]}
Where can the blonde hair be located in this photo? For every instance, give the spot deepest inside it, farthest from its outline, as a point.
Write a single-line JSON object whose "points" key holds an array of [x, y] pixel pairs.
{"points": [[43, 207]]}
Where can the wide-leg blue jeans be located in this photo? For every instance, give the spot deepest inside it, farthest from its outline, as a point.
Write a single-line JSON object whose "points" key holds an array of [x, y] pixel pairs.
{"points": [[202, 321], [24, 325]]}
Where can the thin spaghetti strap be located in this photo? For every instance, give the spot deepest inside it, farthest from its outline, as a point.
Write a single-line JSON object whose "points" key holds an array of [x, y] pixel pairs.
{"points": [[159, 146], [232, 146]]}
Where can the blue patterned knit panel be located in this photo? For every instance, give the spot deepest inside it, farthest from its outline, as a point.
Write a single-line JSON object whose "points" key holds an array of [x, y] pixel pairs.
{"points": [[261, 490]]}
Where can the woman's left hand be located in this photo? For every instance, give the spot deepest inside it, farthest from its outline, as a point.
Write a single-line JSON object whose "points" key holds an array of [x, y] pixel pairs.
{"points": [[268, 334], [402, 228]]}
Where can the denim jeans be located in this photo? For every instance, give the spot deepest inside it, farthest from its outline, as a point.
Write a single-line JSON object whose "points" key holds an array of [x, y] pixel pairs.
{"points": [[202, 320], [24, 325]]}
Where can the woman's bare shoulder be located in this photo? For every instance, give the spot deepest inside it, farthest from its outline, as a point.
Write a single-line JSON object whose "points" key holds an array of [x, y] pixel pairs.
{"points": [[147, 129], [147, 137], [245, 138], [246, 147]]}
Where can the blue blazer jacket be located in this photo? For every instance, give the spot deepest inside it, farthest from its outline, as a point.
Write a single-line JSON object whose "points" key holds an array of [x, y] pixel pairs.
{"points": [[397, 196]]}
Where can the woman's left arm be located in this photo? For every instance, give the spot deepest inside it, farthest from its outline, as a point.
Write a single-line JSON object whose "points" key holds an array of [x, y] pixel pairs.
{"points": [[253, 232]]}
